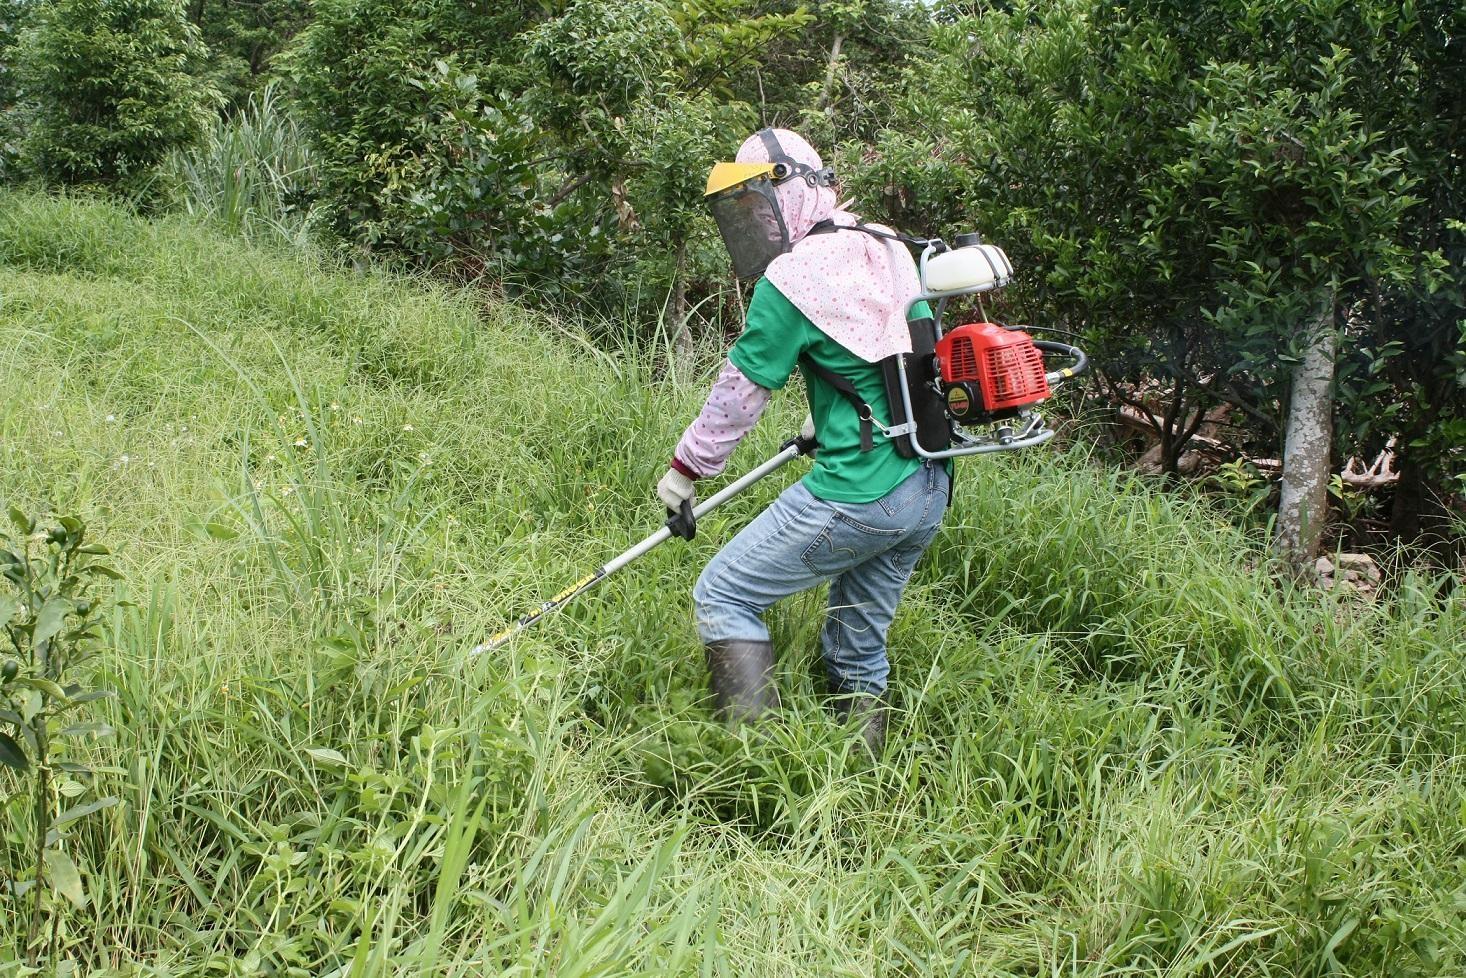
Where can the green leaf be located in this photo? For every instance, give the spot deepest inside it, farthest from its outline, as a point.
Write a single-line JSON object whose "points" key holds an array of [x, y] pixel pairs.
{"points": [[220, 531], [95, 549], [33, 703], [46, 686], [327, 756], [96, 694], [65, 877], [82, 811], [21, 521], [97, 728], [51, 619], [9, 605], [11, 754]]}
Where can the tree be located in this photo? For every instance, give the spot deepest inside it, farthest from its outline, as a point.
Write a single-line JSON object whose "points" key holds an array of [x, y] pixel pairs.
{"points": [[13, 16], [563, 143], [243, 37], [1203, 189], [369, 87], [109, 90]]}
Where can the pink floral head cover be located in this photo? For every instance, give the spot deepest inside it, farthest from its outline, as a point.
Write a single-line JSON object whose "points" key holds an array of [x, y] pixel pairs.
{"points": [[853, 286]]}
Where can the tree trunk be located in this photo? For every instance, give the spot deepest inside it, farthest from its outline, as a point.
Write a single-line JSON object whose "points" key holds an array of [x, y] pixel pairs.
{"points": [[677, 314], [1307, 447], [830, 71]]}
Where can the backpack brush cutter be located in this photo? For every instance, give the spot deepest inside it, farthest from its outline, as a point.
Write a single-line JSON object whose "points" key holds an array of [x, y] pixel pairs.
{"points": [[969, 391]]}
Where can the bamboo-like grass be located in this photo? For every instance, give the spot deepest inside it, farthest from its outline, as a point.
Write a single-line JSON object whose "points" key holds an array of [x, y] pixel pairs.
{"points": [[1121, 746], [252, 173]]}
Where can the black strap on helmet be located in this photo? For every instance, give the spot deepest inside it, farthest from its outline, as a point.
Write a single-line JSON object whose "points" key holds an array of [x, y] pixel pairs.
{"points": [[787, 167]]}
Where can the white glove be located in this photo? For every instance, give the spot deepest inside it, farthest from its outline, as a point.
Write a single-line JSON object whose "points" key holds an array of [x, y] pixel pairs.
{"points": [[674, 488], [806, 432]]}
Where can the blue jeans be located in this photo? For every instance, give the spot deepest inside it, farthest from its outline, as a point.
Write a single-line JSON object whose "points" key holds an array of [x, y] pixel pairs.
{"points": [[865, 550]]}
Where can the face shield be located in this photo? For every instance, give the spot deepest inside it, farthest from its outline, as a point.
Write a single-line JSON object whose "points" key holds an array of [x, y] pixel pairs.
{"points": [[743, 201], [752, 226]]}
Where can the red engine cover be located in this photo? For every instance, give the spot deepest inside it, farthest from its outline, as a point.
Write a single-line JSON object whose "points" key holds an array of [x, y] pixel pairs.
{"points": [[1008, 368]]}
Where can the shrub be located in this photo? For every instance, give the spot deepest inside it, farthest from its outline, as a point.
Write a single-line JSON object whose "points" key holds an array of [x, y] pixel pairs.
{"points": [[109, 90]]}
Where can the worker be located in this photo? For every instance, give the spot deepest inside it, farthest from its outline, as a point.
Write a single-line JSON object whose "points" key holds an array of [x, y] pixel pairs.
{"points": [[832, 299]]}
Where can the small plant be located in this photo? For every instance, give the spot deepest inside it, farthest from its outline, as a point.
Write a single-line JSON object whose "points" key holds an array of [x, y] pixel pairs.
{"points": [[52, 624], [1242, 485]]}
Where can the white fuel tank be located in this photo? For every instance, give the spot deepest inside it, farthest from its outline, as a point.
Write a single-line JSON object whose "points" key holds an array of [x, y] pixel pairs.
{"points": [[974, 268]]}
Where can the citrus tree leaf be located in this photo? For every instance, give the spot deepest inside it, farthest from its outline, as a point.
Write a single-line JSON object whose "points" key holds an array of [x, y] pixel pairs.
{"points": [[12, 755], [21, 521], [51, 619]]}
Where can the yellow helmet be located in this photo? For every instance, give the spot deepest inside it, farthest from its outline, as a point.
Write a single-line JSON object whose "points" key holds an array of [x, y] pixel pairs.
{"points": [[725, 175], [743, 202]]}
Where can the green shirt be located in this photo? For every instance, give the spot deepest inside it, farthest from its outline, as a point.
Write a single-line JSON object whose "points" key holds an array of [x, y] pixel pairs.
{"points": [[775, 336]]}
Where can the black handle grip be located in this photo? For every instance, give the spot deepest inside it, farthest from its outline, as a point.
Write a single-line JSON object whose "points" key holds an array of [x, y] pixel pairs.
{"points": [[806, 446], [682, 524]]}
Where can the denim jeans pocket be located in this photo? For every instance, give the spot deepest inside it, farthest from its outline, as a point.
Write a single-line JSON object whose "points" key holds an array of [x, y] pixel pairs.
{"points": [[846, 541]]}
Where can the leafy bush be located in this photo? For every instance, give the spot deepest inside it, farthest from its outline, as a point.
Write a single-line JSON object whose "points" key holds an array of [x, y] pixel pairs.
{"points": [[243, 40], [13, 15], [109, 90], [1188, 183], [364, 72], [53, 624]]}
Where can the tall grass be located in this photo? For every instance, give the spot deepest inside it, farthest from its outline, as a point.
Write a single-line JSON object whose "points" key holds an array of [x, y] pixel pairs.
{"points": [[253, 172], [1120, 749]]}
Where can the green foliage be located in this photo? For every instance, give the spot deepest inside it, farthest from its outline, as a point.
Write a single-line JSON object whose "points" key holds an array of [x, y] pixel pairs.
{"points": [[565, 145], [13, 16], [52, 624], [834, 76], [108, 90], [252, 172], [242, 38], [1184, 181], [477, 196], [1119, 748], [382, 116]]}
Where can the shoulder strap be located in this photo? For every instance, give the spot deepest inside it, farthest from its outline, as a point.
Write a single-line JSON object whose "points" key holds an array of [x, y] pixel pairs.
{"points": [[828, 226], [846, 390]]}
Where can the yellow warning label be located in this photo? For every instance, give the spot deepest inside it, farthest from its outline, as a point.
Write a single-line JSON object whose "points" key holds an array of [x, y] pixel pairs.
{"points": [[958, 402], [572, 589]]}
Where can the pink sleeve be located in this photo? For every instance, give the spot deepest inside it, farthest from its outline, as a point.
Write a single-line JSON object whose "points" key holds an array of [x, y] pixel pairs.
{"points": [[730, 412]]}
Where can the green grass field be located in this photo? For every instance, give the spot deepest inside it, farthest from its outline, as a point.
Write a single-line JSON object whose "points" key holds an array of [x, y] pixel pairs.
{"points": [[1120, 748]]}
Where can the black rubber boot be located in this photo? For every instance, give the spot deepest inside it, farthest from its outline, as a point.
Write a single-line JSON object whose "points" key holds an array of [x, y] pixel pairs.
{"points": [[743, 678], [872, 712]]}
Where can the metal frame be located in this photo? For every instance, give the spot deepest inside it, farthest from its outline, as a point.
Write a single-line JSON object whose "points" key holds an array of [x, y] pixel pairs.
{"points": [[1003, 439]]}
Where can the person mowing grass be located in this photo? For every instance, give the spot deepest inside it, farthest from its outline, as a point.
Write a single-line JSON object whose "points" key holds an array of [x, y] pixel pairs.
{"points": [[832, 305]]}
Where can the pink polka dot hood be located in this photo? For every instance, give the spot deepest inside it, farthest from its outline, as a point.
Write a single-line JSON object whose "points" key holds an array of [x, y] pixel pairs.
{"points": [[854, 287]]}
